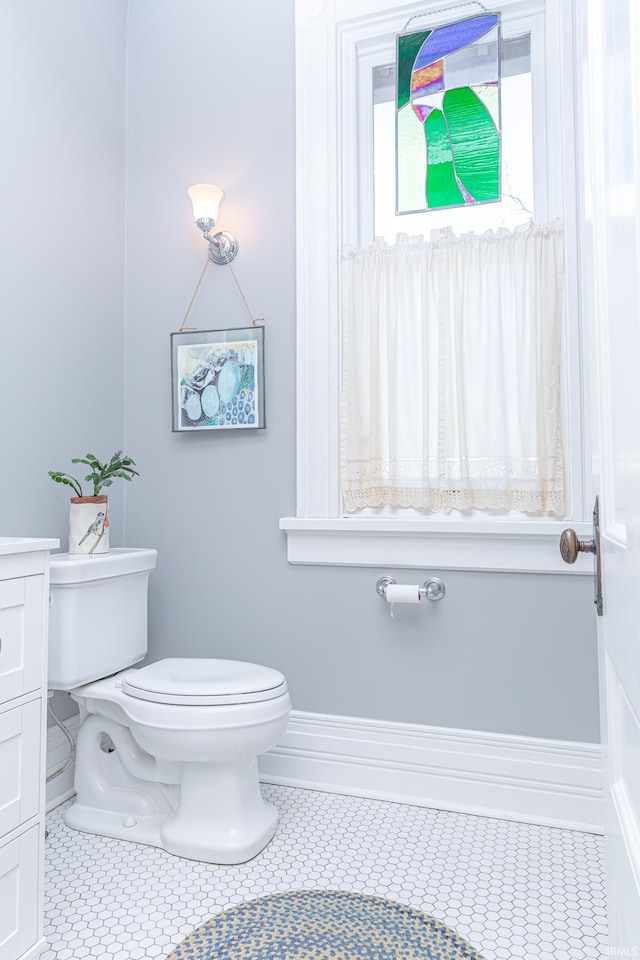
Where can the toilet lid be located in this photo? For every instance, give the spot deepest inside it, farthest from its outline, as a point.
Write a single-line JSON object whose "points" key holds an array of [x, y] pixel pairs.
{"points": [[204, 682]]}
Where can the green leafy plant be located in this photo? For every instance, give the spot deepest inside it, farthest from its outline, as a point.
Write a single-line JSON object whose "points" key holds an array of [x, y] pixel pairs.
{"points": [[101, 474]]}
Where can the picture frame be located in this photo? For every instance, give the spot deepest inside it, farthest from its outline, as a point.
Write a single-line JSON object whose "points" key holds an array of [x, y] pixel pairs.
{"points": [[217, 380]]}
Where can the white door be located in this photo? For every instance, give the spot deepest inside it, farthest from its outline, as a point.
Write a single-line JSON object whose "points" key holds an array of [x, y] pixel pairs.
{"points": [[610, 116]]}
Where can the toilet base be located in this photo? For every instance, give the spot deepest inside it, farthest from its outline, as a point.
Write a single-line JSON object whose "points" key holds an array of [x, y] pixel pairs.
{"points": [[202, 810], [148, 830], [221, 816], [120, 826]]}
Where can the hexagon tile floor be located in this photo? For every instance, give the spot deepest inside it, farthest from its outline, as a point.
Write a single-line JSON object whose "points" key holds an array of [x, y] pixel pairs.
{"points": [[513, 890]]}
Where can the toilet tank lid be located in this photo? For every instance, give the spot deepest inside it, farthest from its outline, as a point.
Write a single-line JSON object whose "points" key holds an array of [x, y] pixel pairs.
{"points": [[82, 567], [200, 681]]}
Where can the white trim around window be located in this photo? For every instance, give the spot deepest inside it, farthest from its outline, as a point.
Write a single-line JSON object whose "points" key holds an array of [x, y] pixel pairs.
{"points": [[502, 546], [337, 43]]}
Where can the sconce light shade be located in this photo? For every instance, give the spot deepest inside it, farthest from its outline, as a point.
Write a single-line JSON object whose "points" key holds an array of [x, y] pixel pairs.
{"points": [[206, 201]]}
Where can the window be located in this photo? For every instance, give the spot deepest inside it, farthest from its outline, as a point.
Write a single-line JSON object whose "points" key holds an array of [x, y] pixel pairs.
{"points": [[342, 56]]}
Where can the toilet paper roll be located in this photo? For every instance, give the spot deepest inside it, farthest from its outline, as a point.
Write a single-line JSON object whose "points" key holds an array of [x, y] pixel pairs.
{"points": [[403, 593]]}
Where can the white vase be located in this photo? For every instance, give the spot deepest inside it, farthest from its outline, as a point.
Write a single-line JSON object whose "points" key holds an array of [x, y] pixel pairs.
{"points": [[89, 525]]}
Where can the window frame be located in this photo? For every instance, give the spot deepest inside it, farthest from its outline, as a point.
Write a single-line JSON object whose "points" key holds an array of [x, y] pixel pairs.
{"points": [[337, 44]]}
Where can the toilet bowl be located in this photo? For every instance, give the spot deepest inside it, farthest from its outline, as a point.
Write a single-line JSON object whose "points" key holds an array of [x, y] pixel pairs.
{"points": [[167, 753]]}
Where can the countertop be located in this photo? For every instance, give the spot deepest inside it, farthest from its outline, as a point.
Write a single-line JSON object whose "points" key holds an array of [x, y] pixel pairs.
{"points": [[26, 545]]}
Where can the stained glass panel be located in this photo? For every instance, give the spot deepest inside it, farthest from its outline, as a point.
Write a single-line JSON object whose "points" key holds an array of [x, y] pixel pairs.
{"points": [[448, 115]]}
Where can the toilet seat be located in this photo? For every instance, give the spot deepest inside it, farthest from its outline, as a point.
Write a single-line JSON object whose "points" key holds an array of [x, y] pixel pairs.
{"points": [[204, 682]]}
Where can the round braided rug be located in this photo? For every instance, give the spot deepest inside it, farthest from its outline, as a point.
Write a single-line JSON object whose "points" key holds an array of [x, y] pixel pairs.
{"points": [[323, 925]]}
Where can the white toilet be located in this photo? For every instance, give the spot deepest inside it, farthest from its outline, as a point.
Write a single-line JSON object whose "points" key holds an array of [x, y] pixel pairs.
{"points": [[166, 754]]}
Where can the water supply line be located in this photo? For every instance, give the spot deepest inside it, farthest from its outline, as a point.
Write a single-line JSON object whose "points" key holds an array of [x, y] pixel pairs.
{"points": [[72, 744]]}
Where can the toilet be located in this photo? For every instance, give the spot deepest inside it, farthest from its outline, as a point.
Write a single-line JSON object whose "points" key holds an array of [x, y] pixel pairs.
{"points": [[166, 753]]}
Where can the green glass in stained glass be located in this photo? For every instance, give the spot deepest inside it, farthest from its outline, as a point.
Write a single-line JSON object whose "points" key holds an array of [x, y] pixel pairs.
{"points": [[441, 187], [408, 48], [475, 144]]}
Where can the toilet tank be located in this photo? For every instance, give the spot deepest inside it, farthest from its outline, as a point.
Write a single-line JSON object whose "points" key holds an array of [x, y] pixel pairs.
{"points": [[97, 614]]}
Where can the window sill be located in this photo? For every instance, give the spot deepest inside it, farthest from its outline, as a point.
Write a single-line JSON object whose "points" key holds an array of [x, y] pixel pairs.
{"points": [[529, 546]]}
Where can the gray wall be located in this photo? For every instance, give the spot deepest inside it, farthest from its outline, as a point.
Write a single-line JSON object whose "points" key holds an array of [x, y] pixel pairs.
{"points": [[62, 110], [211, 98], [62, 97]]}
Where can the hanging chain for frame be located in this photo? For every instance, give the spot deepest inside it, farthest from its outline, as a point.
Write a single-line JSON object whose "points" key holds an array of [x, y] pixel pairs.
{"points": [[452, 6], [254, 320]]}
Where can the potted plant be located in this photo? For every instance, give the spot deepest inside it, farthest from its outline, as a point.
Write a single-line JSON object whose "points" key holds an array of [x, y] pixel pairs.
{"points": [[89, 516]]}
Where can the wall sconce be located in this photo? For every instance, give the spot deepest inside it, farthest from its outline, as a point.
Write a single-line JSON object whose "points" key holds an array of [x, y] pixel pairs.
{"points": [[206, 200], [223, 246]]}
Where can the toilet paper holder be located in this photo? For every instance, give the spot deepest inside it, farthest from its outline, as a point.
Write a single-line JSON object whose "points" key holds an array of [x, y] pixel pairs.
{"points": [[432, 589]]}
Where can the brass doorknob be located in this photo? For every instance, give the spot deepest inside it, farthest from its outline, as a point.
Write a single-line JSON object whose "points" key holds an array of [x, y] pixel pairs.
{"points": [[571, 546]]}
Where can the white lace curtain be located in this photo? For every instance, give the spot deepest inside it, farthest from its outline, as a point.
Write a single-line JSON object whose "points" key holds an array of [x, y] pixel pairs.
{"points": [[451, 372]]}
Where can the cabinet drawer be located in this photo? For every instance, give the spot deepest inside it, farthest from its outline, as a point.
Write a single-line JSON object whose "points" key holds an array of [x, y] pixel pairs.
{"points": [[19, 894], [20, 765], [21, 653]]}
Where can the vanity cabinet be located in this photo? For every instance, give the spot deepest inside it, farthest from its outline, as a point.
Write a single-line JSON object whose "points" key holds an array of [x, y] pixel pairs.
{"points": [[24, 605]]}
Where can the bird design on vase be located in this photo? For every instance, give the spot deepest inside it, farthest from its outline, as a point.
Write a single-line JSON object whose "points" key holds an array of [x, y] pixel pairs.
{"points": [[97, 527]]}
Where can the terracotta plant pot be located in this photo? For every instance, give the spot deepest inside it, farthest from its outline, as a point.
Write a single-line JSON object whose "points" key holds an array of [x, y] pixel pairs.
{"points": [[89, 525]]}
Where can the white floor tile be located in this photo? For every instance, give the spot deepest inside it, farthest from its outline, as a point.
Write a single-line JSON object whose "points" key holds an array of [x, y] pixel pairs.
{"points": [[512, 890]]}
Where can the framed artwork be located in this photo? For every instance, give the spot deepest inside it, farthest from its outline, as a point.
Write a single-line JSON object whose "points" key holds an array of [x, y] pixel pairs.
{"points": [[448, 115], [217, 379]]}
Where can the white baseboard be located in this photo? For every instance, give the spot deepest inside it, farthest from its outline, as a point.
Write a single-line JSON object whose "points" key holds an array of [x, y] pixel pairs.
{"points": [[61, 787], [35, 950], [552, 782]]}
